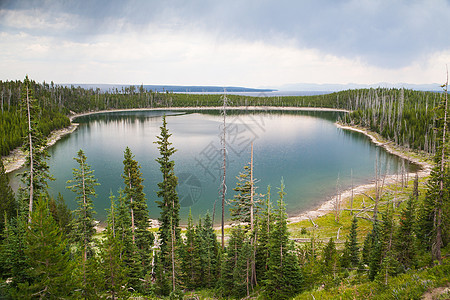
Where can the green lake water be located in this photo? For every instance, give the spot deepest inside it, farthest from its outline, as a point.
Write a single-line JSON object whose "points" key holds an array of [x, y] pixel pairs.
{"points": [[305, 149]]}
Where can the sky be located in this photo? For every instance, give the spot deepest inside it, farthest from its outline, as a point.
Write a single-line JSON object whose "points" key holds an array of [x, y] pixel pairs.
{"points": [[251, 43]]}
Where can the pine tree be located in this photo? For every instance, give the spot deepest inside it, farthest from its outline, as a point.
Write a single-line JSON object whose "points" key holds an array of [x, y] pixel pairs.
{"points": [[122, 231], [7, 201], [243, 210], [240, 210], [381, 252], [405, 239], [169, 230], [114, 269], [436, 204], [372, 255], [141, 236], [210, 257], [13, 261], [350, 257], [48, 257], [330, 262], [36, 177], [284, 278], [191, 260], [61, 213], [388, 263], [310, 263], [83, 185], [201, 254], [265, 223], [235, 267]]}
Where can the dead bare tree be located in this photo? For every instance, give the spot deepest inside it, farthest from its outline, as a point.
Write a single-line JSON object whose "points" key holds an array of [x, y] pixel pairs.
{"points": [[337, 202], [224, 166], [351, 199], [437, 243]]}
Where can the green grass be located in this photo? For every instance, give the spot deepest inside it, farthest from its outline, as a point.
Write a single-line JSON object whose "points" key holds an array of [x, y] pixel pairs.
{"points": [[328, 227], [411, 285]]}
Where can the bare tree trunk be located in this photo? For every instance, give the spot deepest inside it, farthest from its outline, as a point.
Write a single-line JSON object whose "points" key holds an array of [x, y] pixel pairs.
{"points": [[173, 259], [113, 221], [155, 246], [30, 140], [252, 204], [246, 280], [84, 224], [337, 202], [351, 199], [436, 247], [131, 210], [173, 240], [251, 188], [224, 150]]}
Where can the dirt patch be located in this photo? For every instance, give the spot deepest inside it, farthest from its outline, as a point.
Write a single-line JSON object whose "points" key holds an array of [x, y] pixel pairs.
{"points": [[441, 293], [16, 159]]}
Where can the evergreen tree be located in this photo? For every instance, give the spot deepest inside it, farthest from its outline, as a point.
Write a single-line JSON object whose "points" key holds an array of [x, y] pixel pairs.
{"points": [[114, 271], [310, 263], [169, 230], [36, 177], [83, 185], [210, 252], [201, 254], [381, 253], [122, 220], [350, 257], [240, 210], [7, 201], [435, 229], [243, 210], [372, 250], [141, 236], [13, 261], [265, 223], [191, 259], [61, 213], [367, 246], [235, 272], [130, 255], [48, 257], [388, 264], [284, 278], [405, 239], [330, 262]]}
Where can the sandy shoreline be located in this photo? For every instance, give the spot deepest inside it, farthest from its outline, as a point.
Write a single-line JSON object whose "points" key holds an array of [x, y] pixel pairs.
{"points": [[328, 206], [256, 108], [16, 159]]}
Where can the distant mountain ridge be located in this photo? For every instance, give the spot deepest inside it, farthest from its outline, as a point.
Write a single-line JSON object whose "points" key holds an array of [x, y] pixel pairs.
{"points": [[350, 86], [309, 87], [174, 88]]}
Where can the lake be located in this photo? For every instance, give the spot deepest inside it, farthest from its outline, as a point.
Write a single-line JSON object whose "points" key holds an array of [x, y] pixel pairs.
{"points": [[305, 149]]}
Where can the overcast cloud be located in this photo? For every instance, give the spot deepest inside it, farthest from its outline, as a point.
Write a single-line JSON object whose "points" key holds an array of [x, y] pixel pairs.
{"points": [[247, 43]]}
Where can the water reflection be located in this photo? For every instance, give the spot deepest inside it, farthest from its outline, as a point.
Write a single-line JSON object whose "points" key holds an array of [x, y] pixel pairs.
{"points": [[304, 148]]}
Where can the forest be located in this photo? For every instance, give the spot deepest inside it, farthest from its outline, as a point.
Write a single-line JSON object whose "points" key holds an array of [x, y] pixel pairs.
{"points": [[394, 248], [406, 117]]}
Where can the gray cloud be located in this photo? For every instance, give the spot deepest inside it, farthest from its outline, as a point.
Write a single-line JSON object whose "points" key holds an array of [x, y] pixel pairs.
{"points": [[388, 34]]}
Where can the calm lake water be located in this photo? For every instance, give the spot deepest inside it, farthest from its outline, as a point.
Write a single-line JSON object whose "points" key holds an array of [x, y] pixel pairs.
{"points": [[305, 149]]}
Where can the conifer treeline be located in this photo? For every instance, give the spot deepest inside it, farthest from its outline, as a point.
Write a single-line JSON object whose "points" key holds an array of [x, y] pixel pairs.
{"points": [[47, 253], [405, 117], [52, 258]]}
